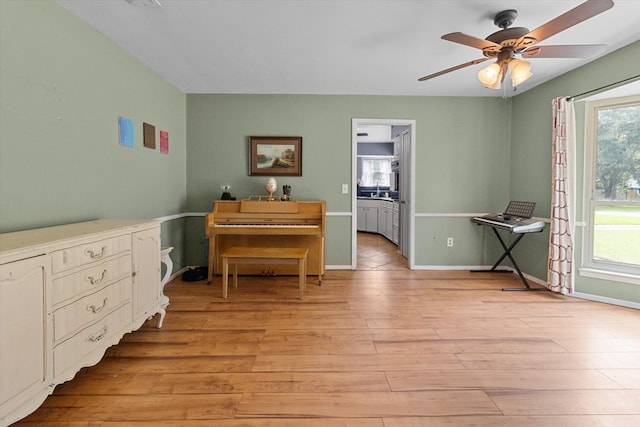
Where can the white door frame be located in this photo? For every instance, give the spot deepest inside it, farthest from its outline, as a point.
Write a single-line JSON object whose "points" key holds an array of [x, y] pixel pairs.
{"points": [[355, 123]]}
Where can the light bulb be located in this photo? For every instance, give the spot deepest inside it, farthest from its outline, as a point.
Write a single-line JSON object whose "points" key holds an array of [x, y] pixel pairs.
{"points": [[490, 76], [519, 71]]}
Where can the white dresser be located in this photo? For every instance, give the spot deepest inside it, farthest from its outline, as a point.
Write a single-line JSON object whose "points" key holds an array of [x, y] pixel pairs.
{"points": [[67, 293]]}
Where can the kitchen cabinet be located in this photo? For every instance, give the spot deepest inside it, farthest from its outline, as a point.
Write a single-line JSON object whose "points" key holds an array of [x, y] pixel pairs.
{"points": [[367, 213], [396, 147], [395, 233], [385, 218], [67, 293], [378, 216]]}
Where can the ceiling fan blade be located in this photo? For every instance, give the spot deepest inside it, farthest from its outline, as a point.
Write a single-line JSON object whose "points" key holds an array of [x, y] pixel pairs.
{"points": [[457, 67], [580, 13], [469, 40], [564, 51]]}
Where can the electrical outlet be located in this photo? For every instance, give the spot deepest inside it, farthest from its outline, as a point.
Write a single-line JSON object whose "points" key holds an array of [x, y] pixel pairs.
{"points": [[450, 241], [345, 188]]}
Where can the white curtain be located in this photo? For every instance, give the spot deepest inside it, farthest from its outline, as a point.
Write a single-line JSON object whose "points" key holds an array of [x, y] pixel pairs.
{"points": [[375, 172], [561, 270]]}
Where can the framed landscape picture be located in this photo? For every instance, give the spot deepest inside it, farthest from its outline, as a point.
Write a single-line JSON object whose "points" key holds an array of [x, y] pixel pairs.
{"points": [[275, 155]]}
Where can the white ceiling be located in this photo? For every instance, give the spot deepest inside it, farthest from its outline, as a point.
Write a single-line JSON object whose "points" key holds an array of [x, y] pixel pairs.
{"points": [[365, 47]]}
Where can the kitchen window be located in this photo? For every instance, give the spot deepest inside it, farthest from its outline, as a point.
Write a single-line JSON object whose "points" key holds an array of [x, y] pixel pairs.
{"points": [[375, 172]]}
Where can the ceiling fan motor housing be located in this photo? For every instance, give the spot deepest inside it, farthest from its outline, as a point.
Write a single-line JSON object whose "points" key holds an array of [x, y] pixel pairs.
{"points": [[508, 37], [505, 18]]}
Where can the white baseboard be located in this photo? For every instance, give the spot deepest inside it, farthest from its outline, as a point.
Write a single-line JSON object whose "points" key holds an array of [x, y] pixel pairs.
{"points": [[451, 267], [606, 300]]}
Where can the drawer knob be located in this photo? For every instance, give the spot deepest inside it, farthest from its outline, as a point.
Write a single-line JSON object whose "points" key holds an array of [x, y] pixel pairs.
{"points": [[98, 336], [95, 255], [95, 281], [92, 308]]}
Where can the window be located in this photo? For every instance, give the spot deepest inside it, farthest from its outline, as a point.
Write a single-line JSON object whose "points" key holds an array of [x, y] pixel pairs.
{"points": [[375, 172], [612, 238]]}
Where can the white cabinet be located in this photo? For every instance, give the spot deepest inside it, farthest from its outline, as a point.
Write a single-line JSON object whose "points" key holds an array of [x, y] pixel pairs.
{"points": [[146, 269], [367, 213], [385, 218], [396, 223], [23, 332], [396, 147], [67, 293], [382, 219], [378, 216]]}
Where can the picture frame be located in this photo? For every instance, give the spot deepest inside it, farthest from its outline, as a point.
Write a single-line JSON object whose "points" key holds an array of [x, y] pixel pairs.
{"points": [[275, 155]]}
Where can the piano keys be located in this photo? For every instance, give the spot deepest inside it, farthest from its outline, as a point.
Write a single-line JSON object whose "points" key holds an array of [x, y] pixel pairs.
{"points": [[513, 224], [267, 223]]}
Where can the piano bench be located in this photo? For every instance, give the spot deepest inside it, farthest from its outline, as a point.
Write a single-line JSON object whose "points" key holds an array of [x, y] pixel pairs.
{"points": [[254, 255]]}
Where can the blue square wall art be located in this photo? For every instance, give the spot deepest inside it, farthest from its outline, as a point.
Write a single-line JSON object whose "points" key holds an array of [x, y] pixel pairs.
{"points": [[125, 126]]}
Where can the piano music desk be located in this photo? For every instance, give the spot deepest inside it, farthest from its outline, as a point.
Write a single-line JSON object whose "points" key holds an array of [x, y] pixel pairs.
{"points": [[252, 255]]}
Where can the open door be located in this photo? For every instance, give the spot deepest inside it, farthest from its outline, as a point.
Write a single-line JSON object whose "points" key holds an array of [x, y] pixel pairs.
{"points": [[407, 158]]}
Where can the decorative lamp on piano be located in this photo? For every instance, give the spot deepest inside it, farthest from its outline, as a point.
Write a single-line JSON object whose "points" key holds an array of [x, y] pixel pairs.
{"points": [[271, 187], [226, 195]]}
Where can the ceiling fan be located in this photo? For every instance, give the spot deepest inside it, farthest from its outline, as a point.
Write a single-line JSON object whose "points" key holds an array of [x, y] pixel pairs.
{"points": [[505, 44]]}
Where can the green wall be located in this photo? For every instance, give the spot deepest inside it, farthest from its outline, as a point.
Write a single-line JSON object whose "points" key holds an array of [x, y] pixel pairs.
{"points": [[531, 158], [462, 158], [63, 86]]}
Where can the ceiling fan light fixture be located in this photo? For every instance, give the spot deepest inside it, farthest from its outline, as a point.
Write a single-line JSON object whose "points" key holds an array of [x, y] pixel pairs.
{"points": [[519, 71], [490, 76]]}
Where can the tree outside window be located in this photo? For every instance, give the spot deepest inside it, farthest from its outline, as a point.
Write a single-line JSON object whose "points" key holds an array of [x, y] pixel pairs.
{"points": [[618, 154]]}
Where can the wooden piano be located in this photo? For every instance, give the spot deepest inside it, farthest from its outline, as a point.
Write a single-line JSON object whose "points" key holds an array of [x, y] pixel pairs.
{"points": [[267, 223]]}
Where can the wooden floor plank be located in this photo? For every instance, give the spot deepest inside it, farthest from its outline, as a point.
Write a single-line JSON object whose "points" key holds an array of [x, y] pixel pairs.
{"points": [[502, 379], [373, 362], [117, 366], [96, 384], [454, 346], [366, 404], [567, 402], [317, 347], [257, 422], [596, 345], [558, 361], [271, 382], [627, 378], [521, 421], [138, 407], [520, 332], [371, 334]]}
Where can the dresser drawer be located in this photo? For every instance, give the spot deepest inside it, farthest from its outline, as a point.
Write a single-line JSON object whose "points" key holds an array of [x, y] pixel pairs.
{"points": [[88, 253], [76, 352], [89, 309], [90, 279]]}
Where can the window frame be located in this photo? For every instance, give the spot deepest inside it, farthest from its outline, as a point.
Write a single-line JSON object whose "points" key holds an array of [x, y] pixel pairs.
{"points": [[591, 267]]}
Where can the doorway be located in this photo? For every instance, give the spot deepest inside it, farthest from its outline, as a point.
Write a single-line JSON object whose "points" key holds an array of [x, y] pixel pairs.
{"points": [[406, 192]]}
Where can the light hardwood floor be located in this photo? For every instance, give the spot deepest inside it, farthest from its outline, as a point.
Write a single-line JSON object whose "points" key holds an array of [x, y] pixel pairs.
{"points": [[381, 346]]}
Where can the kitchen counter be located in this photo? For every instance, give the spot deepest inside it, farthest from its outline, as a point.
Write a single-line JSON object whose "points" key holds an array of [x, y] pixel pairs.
{"points": [[386, 199]]}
